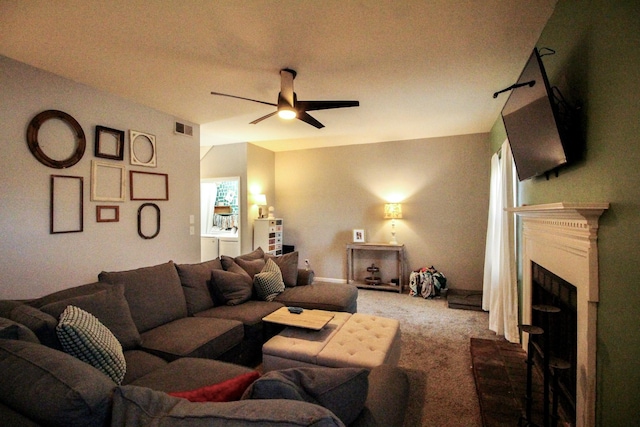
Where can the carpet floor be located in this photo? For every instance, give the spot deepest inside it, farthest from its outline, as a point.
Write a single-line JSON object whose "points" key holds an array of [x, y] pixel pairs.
{"points": [[436, 355]]}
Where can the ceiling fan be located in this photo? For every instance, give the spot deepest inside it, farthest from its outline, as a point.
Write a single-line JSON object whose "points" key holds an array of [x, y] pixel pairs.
{"points": [[288, 106]]}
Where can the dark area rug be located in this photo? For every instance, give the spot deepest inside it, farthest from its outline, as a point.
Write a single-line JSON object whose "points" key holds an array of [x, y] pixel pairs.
{"points": [[500, 374]]}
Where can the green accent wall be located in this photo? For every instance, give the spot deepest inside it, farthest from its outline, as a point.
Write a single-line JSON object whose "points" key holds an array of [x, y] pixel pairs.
{"points": [[597, 66]]}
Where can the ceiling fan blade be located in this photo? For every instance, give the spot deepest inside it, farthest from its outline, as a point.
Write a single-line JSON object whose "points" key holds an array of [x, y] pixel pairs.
{"points": [[324, 105], [263, 117], [246, 99], [302, 115]]}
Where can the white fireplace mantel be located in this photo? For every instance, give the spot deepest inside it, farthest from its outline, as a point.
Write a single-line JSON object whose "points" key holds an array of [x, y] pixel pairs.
{"points": [[562, 238]]}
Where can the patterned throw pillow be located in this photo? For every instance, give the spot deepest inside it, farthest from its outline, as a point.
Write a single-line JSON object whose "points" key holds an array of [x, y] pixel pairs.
{"points": [[268, 282], [84, 337]]}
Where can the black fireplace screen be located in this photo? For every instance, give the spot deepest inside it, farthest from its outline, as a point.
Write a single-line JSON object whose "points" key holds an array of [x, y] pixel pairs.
{"points": [[549, 289]]}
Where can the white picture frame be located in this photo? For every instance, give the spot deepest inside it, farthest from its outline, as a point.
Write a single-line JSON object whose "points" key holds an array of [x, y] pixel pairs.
{"points": [[358, 235], [107, 182], [142, 149]]}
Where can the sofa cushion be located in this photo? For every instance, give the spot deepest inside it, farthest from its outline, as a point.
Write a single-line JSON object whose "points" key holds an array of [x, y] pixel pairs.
{"points": [[229, 264], [321, 296], [341, 390], [268, 283], [193, 337], [256, 254], [288, 264], [41, 323], [143, 406], [154, 294], [251, 266], [189, 373], [225, 391], [110, 307], [140, 363], [76, 393], [64, 294], [83, 336], [16, 331], [249, 313], [231, 288], [195, 284]]}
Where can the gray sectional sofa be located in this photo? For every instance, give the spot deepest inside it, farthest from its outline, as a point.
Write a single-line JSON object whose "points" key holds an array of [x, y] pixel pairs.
{"points": [[181, 327]]}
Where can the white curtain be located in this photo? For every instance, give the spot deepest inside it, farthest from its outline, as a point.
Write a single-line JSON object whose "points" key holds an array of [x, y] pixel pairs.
{"points": [[500, 291]]}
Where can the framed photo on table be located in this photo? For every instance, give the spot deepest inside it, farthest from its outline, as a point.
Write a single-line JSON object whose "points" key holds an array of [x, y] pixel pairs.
{"points": [[358, 235]]}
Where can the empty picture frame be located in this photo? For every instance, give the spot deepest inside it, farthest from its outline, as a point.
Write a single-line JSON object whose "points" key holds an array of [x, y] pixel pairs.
{"points": [[107, 213], [66, 209], [146, 229], [148, 186], [142, 148], [107, 182], [109, 143]]}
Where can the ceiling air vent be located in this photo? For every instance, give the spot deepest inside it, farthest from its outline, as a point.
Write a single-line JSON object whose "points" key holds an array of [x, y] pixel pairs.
{"points": [[183, 129]]}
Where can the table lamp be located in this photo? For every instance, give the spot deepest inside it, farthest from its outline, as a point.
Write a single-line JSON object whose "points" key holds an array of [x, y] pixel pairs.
{"points": [[393, 211]]}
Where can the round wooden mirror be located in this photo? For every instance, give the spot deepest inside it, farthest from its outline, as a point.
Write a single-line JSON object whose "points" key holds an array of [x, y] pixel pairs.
{"points": [[36, 146]]}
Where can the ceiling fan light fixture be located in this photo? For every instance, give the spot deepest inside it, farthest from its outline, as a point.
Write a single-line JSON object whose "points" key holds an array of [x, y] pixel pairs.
{"points": [[287, 113]]}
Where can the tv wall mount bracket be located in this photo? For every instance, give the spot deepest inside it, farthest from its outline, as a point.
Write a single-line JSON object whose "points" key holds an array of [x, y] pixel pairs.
{"points": [[514, 86]]}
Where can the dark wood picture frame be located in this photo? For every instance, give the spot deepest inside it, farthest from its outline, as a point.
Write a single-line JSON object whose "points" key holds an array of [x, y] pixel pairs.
{"points": [[104, 135], [36, 148], [140, 209], [148, 185], [102, 213], [64, 202]]}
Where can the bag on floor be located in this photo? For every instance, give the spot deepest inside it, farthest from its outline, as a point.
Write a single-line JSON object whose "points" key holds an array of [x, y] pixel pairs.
{"points": [[426, 282]]}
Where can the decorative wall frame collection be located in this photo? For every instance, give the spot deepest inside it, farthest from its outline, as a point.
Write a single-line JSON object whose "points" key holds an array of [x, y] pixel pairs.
{"points": [[108, 179]]}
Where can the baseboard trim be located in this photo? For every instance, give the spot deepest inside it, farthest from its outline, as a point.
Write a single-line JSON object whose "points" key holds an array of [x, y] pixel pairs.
{"points": [[329, 280]]}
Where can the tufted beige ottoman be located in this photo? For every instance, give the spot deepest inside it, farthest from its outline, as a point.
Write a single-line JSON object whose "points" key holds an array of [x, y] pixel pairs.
{"points": [[358, 340]]}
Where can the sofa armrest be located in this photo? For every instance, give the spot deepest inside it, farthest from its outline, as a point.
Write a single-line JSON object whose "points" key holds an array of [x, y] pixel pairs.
{"points": [[141, 406], [305, 277]]}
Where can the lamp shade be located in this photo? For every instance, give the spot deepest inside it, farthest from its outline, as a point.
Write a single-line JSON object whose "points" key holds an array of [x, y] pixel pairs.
{"points": [[392, 210], [259, 199]]}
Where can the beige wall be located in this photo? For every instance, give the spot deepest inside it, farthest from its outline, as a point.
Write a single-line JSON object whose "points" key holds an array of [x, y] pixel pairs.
{"points": [[34, 262], [260, 179], [323, 194]]}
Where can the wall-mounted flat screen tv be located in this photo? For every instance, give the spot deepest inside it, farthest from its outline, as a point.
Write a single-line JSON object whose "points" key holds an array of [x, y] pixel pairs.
{"points": [[531, 117]]}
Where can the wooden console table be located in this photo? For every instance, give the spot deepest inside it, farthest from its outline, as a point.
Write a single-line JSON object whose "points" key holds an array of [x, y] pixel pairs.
{"points": [[399, 249]]}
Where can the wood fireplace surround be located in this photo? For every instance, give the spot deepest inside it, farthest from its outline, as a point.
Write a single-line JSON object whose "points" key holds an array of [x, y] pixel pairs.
{"points": [[562, 238]]}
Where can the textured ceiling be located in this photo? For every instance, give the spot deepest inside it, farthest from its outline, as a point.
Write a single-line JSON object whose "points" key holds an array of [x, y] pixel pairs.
{"points": [[419, 68]]}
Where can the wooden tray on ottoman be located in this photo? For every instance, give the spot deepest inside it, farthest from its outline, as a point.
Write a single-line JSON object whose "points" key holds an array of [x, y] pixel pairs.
{"points": [[308, 319]]}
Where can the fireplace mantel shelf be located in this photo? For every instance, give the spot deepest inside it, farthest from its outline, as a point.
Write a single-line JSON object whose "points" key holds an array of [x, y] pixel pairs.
{"points": [[586, 210]]}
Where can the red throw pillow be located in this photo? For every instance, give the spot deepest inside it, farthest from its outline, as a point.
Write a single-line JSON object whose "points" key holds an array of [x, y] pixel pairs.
{"points": [[226, 391]]}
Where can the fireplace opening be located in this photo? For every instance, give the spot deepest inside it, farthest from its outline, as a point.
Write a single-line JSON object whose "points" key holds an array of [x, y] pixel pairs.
{"points": [[549, 289]]}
